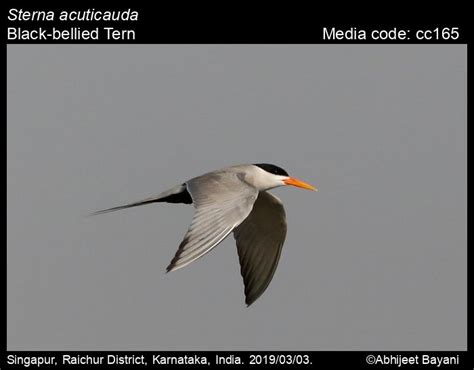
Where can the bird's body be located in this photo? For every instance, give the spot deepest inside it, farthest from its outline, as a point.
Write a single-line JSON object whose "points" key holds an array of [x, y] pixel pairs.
{"points": [[233, 199]]}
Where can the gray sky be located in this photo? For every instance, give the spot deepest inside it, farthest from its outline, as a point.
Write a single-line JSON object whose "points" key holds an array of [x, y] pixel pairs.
{"points": [[375, 260]]}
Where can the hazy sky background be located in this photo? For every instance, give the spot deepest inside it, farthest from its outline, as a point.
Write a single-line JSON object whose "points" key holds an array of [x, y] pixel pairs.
{"points": [[375, 260]]}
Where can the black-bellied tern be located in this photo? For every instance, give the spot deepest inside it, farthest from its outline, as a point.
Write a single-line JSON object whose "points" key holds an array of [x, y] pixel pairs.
{"points": [[233, 199]]}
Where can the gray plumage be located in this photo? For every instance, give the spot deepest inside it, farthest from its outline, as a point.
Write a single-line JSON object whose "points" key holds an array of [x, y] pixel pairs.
{"points": [[233, 199]]}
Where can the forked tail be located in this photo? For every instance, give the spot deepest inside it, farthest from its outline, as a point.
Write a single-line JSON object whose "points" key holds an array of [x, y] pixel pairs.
{"points": [[178, 194]]}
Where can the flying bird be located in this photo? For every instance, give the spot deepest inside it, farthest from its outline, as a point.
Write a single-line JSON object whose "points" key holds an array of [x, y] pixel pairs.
{"points": [[233, 199]]}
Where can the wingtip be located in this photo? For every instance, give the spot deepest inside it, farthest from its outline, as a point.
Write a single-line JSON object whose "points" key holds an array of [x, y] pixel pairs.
{"points": [[171, 267]]}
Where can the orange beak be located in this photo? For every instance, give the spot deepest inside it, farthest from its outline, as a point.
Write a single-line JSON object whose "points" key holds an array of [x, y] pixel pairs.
{"points": [[299, 183]]}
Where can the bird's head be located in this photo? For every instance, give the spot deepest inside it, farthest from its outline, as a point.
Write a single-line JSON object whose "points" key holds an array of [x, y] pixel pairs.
{"points": [[271, 176]]}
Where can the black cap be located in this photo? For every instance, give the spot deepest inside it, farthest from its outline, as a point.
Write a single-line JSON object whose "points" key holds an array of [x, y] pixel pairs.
{"points": [[272, 169]]}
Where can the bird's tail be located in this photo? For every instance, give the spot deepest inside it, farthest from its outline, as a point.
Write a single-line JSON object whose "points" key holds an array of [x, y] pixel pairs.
{"points": [[130, 205], [177, 194]]}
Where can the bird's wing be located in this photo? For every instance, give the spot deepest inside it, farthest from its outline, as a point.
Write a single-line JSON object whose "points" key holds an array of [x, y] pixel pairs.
{"points": [[222, 201], [259, 240]]}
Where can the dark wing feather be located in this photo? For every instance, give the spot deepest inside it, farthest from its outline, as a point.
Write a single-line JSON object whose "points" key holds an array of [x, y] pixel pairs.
{"points": [[260, 238]]}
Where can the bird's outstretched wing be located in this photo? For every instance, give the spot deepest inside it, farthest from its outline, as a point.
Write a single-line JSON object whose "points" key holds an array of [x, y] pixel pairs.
{"points": [[222, 201], [260, 238]]}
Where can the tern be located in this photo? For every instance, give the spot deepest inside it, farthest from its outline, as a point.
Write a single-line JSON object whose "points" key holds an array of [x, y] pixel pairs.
{"points": [[233, 199]]}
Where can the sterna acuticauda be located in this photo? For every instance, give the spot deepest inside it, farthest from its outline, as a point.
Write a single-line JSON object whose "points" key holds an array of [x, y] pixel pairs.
{"points": [[233, 199]]}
